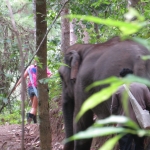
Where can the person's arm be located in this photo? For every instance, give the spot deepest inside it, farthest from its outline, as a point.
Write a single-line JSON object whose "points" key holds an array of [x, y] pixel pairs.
{"points": [[49, 73]]}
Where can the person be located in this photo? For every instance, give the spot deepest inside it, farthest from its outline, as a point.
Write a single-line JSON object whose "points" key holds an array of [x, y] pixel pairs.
{"points": [[31, 72], [142, 95]]}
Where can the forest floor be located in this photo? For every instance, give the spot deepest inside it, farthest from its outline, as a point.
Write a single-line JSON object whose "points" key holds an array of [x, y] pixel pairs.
{"points": [[10, 135]]}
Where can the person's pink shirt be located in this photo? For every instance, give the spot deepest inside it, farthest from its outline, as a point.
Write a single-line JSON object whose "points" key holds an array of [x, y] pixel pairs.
{"points": [[33, 71]]}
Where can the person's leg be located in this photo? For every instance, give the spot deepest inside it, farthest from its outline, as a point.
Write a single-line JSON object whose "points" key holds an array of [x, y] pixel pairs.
{"points": [[34, 108], [32, 114], [139, 142], [125, 142], [34, 105]]}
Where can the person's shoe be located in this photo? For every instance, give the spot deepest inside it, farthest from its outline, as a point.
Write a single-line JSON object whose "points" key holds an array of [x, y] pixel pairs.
{"points": [[29, 117]]}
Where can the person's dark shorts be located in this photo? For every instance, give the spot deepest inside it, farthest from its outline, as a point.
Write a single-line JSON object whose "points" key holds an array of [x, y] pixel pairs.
{"points": [[31, 91]]}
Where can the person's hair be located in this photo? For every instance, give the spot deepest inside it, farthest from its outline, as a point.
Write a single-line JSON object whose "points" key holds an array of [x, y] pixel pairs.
{"points": [[125, 71]]}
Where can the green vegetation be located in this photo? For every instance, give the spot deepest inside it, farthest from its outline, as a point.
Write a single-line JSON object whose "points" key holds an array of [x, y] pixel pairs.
{"points": [[113, 18]]}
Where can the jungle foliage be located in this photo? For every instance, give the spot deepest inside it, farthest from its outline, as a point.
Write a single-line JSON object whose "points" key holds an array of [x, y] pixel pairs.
{"points": [[24, 17]]}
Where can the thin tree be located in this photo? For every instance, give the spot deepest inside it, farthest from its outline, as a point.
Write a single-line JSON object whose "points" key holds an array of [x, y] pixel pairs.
{"points": [[65, 28], [21, 69], [41, 28]]}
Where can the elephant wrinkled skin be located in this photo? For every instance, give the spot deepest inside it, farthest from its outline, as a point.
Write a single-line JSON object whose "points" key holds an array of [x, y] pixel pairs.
{"points": [[87, 63]]}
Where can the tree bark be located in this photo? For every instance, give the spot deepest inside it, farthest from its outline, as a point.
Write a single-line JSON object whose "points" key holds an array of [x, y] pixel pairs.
{"points": [[41, 28], [65, 29], [73, 37], [34, 13]]}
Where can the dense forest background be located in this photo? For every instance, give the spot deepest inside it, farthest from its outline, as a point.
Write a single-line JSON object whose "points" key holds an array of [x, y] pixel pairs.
{"points": [[61, 33]]}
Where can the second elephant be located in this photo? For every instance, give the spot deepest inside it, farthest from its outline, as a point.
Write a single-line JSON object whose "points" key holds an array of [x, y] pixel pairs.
{"points": [[87, 63]]}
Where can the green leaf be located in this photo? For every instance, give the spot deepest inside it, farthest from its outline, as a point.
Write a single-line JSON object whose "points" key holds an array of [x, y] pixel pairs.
{"points": [[146, 57], [63, 64], [96, 132], [8, 75], [127, 28], [133, 78], [109, 144], [133, 13], [5, 100], [116, 120], [98, 98], [103, 82], [44, 80]]}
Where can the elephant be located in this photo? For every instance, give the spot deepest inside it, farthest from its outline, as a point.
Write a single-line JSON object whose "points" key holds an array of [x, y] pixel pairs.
{"points": [[87, 63]]}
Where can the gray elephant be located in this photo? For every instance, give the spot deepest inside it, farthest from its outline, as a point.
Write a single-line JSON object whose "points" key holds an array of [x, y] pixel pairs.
{"points": [[87, 63]]}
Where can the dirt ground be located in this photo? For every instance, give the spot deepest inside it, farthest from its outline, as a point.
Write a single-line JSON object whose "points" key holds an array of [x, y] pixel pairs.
{"points": [[10, 135]]}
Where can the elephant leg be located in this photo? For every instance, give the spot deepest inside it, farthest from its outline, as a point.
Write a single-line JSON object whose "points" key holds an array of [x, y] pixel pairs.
{"points": [[85, 121], [68, 109], [69, 146]]}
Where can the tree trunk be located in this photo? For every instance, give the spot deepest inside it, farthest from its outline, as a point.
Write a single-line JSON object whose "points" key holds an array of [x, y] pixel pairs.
{"points": [[65, 29], [73, 37], [41, 27], [34, 13], [86, 36]]}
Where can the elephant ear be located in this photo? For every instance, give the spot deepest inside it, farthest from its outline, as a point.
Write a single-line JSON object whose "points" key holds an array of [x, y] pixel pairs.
{"points": [[73, 59]]}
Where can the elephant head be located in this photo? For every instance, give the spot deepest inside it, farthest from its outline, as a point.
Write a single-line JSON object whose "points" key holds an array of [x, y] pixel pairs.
{"points": [[68, 74], [87, 63]]}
